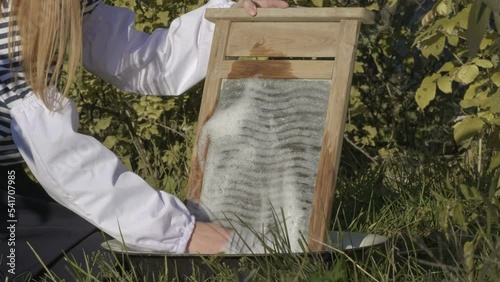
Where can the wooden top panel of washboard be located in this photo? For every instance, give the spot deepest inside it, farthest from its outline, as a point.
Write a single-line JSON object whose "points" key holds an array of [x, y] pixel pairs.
{"points": [[329, 36]]}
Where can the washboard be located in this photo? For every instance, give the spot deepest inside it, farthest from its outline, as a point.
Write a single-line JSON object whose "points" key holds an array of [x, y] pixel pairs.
{"points": [[295, 44]]}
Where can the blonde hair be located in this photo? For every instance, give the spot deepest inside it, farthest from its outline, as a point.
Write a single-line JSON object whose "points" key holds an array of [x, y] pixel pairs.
{"points": [[50, 32]]}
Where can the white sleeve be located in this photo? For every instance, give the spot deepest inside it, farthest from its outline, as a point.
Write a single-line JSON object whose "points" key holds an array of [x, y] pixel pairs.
{"points": [[83, 175], [167, 62]]}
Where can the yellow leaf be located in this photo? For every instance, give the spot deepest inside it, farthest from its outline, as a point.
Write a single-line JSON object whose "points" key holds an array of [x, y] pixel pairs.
{"points": [[444, 84], [466, 74]]}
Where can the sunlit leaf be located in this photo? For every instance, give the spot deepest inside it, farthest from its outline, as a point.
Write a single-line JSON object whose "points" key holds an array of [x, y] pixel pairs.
{"points": [[103, 124], [110, 141], [496, 78], [448, 66], [427, 91], [444, 84], [452, 40], [318, 3], [492, 104], [358, 67], [466, 74], [462, 18], [373, 7], [445, 7], [372, 131], [483, 63], [467, 128], [433, 45], [469, 258]]}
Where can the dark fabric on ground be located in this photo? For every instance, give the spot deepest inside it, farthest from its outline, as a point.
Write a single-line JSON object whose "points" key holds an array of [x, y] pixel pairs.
{"points": [[47, 226]]}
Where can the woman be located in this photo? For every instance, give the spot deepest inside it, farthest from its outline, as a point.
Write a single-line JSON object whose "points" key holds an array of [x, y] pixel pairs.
{"points": [[85, 187]]}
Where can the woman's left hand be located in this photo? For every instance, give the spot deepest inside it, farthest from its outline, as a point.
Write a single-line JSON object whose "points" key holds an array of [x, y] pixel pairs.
{"points": [[251, 6]]}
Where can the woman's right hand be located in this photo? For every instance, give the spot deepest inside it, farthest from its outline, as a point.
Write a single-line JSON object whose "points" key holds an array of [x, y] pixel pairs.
{"points": [[208, 238]]}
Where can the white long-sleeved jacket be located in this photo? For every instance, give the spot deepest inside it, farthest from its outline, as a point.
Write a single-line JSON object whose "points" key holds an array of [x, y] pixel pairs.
{"points": [[81, 173]]}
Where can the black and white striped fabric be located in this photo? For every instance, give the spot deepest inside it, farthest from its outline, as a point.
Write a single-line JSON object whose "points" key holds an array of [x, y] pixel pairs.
{"points": [[13, 85]]}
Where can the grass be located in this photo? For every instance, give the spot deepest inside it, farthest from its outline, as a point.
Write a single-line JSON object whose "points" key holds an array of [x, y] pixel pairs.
{"points": [[441, 219]]}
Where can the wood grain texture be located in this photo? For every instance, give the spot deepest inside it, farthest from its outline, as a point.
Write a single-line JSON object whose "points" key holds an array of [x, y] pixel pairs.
{"points": [[208, 103], [264, 39], [333, 134], [277, 69], [293, 15]]}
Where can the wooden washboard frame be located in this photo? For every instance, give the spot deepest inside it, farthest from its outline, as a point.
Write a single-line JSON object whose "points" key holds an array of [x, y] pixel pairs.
{"points": [[294, 32]]}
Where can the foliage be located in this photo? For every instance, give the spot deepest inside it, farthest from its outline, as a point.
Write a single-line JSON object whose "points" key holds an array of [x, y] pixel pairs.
{"points": [[422, 146]]}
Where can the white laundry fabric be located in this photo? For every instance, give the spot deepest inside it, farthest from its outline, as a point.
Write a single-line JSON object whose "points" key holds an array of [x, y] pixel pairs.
{"points": [[81, 173]]}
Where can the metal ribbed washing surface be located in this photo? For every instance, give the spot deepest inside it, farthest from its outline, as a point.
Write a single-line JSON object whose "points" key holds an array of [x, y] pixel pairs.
{"points": [[262, 148]]}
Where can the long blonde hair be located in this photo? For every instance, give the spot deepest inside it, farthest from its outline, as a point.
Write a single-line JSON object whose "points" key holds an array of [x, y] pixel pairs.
{"points": [[50, 32]]}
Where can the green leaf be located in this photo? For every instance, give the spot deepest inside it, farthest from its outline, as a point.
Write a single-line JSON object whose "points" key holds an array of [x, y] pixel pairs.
{"points": [[427, 91], [349, 127], [469, 258], [496, 78], [492, 104], [444, 84], [447, 67], [466, 74], [318, 3], [452, 40], [495, 161], [444, 8], [470, 103], [470, 193], [458, 215], [358, 67], [462, 17], [103, 124], [467, 128], [372, 131], [449, 25], [110, 141], [478, 23], [433, 45], [486, 64]]}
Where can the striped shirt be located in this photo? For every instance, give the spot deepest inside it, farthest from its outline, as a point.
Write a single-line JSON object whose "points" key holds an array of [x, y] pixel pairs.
{"points": [[13, 85]]}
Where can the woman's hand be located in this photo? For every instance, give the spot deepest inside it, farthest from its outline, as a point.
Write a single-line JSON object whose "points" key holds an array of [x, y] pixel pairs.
{"points": [[251, 6], [208, 238]]}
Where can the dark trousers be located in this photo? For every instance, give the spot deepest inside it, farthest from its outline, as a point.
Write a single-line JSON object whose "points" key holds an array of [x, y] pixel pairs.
{"points": [[29, 217]]}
